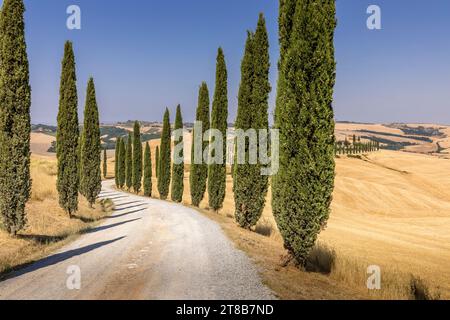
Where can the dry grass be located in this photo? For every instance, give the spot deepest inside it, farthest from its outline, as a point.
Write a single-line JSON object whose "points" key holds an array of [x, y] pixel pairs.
{"points": [[390, 209], [48, 226]]}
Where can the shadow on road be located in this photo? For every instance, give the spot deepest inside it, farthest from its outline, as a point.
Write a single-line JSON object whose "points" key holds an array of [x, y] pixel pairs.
{"points": [[127, 203], [130, 207], [56, 258], [101, 228], [126, 213]]}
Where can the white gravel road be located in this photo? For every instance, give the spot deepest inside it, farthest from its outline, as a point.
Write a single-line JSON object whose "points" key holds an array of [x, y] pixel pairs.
{"points": [[148, 249]]}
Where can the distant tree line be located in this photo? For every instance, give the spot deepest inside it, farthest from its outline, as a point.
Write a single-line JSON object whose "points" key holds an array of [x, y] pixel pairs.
{"points": [[356, 146]]}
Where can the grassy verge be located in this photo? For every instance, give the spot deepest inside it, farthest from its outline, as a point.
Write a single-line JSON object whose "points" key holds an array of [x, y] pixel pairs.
{"points": [[49, 228]]}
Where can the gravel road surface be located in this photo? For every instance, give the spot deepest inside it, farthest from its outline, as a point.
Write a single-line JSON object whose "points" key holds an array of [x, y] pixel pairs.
{"points": [[148, 249]]}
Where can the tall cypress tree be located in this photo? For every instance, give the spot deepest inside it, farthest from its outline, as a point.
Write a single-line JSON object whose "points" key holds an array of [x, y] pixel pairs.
{"points": [[157, 162], [178, 168], [129, 163], [91, 177], [164, 158], [122, 163], [137, 158], [15, 126], [302, 189], [105, 164], [147, 171], [250, 186], [217, 172], [199, 172], [67, 135], [116, 162]]}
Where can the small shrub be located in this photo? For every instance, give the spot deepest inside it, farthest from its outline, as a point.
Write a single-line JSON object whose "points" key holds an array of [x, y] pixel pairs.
{"points": [[264, 227], [419, 290], [107, 205], [321, 259]]}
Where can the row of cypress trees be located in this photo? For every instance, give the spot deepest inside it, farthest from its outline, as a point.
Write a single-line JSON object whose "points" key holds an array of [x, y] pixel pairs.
{"points": [[78, 155], [355, 148], [129, 162]]}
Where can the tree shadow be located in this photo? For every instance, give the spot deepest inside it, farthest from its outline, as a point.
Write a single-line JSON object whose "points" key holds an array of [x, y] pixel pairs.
{"points": [[127, 203], [55, 259], [116, 197], [126, 213], [101, 228], [130, 207]]}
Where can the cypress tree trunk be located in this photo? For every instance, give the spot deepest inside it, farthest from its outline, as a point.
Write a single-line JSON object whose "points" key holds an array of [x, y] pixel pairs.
{"points": [[91, 179], [157, 162], [164, 158], [67, 135], [250, 186], [302, 189], [217, 172], [147, 171], [137, 158], [105, 164], [122, 165], [199, 172], [129, 163], [116, 162], [178, 168], [15, 126]]}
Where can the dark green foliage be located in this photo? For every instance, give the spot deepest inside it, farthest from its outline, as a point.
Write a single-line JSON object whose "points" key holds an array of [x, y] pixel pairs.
{"points": [[129, 163], [105, 164], [122, 163], [147, 171], [219, 115], [137, 158], [199, 172], [178, 168], [157, 162], [302, 189], [91, 179], [116, 162], [15, 126], [250, 186], [164, 158], [67, 135]]}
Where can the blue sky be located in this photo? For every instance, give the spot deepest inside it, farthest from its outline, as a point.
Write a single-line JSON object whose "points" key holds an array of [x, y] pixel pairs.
{"points": [[149, 54]]}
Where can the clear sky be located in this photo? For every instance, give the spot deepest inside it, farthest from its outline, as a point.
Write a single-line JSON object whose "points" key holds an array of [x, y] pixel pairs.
{"points": [[149, 54]]}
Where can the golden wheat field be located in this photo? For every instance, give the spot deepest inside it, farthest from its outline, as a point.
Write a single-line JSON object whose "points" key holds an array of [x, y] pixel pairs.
{"points": [[390, 209]]}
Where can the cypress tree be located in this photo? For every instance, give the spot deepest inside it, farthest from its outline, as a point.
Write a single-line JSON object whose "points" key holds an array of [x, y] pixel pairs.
{"points": [[217, 172], [122, 163], [303, 186], [129, 163], [15, 125], [116, 162], [164, 158], [178, 168], [137, 158], [199, 172], [105, 164], [67, 135], [157, 162], [147, 171], [91, 179], [250, 186]]}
